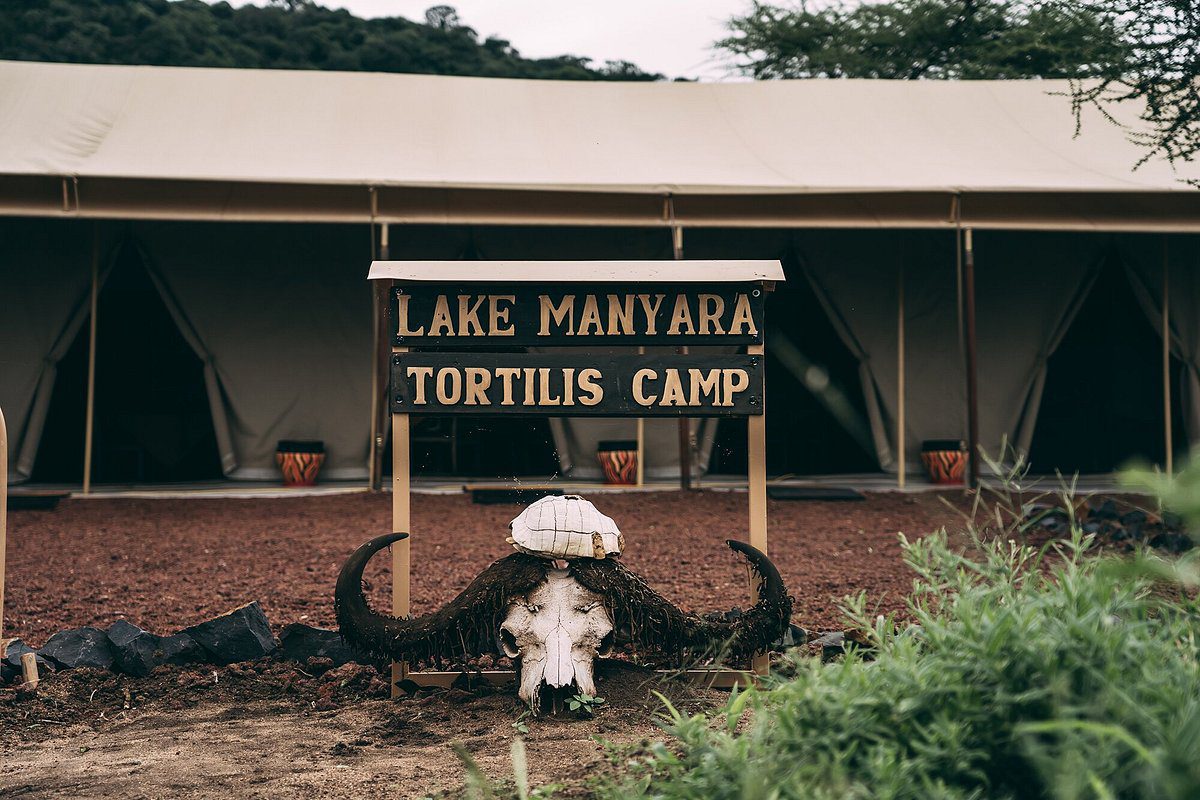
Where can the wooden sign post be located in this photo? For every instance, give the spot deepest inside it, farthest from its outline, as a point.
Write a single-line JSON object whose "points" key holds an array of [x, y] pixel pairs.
{"points": [[439, 312]]}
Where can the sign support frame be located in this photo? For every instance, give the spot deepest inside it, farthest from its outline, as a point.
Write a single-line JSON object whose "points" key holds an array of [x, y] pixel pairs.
{"points": [[402, 522]]}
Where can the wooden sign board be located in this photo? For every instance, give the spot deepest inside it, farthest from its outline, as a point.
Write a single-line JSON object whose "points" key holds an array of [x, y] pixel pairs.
{"points": [[579, 315], [577, 385], [447, 309]]}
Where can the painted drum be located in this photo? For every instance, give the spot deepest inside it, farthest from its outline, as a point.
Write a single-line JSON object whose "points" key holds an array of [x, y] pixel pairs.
{"points": [[618, 459], [565, 527], [299, 461]]}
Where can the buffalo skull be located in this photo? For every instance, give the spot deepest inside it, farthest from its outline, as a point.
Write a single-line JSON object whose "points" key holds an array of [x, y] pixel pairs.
{"points": [[553, 618]]}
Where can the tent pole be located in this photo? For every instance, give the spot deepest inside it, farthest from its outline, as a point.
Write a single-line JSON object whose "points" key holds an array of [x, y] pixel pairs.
{"points": [[972, 382], [1166, 358], [900, 419], [685, 424], [90, 413], [3, 519], [381, 292]]}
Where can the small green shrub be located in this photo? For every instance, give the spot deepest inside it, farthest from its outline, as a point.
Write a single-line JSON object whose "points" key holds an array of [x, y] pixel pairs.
{"points": [[1028, 674]]}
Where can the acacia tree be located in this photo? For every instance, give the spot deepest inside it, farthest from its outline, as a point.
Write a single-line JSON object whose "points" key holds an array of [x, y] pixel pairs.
{"points": [[1113, 51]]}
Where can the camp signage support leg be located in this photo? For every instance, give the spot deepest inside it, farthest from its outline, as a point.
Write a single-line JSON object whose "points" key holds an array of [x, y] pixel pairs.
{"points": [[641, 441], [685, 424], [1166, 361], [90, 412], [401, 522], [756, 480], [972, 363]]}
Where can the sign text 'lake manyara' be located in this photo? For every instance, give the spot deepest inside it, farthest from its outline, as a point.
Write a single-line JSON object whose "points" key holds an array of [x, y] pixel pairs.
{"points": [[632, 339]]}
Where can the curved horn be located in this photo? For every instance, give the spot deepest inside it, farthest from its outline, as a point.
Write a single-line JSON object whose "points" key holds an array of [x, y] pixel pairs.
{"points": [[660, 626], [464, 627]]}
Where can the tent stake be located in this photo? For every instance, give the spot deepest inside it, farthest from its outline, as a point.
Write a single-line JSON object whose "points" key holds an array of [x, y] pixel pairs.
{"points": [[900, 419], [1166, 358], [90, 413], [972, 382]]}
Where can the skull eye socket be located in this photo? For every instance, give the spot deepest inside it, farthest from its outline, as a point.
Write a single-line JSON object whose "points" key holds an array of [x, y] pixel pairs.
{"points": [[606, 645], [508, 643]]}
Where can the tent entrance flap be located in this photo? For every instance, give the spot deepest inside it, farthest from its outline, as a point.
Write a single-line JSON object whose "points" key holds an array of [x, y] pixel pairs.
{"points": [[1102, 403], [152, 418]]}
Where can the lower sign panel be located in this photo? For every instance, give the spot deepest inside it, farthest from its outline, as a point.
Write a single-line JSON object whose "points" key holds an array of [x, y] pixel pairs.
{"points": [[577, 385]]}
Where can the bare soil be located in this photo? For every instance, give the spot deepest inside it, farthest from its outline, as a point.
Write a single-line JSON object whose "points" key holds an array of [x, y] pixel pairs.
{"points": [[167, 564], [273, 729]]}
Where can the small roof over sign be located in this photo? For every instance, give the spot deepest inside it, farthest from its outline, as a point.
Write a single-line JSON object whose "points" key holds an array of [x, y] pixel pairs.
{"points": [[685, 271]]}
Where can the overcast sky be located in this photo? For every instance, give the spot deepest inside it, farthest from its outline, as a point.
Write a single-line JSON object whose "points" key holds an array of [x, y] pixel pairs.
{"points": [[673, 37]]}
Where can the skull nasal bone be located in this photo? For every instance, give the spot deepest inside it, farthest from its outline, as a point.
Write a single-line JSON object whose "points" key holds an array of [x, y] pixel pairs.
{"points": [[560, 669]]}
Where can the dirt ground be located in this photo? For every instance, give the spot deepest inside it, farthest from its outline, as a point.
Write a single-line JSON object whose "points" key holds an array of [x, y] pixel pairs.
{"points": [[167, 564], [273, 729]]}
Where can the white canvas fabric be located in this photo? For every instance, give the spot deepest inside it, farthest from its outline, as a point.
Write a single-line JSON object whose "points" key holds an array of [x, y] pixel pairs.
{"points": [[767, 137], [565, 527]]}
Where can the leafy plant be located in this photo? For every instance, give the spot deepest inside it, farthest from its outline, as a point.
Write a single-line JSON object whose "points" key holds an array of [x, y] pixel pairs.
{"points": [[586, 704], [1028, 672], [520, 724]]}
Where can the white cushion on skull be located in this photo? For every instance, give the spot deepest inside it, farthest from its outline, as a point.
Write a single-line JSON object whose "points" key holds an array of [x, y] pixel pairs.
{"points": [[565, 527]]}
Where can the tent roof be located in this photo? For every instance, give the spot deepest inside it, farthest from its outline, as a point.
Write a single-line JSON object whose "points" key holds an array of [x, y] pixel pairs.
{"points": [[230, 127]]}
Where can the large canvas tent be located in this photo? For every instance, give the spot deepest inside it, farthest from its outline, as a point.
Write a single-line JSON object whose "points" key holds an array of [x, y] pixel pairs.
{"points": [[254, 201]]}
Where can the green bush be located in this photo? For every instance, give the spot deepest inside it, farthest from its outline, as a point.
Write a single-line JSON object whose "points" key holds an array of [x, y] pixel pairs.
{"points": [[1029, 674]]}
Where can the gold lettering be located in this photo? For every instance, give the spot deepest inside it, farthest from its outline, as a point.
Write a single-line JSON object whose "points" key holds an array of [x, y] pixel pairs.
{"points": [[742, 316], [712, 317], [620, 315], [422, 374], [736, 380], [568, 386], [587, 383], [496, 315], [544, 398], [682, 315], [639, 395], [469, 315], [478, 381], [704, 385], [651, 311], [449, 392], [673, 390], [529, 382], [441, 318], [590, 317], [506, 375], [565, 311], [402, 317]]}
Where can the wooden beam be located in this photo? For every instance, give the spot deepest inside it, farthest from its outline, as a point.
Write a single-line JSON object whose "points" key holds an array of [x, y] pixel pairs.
{"points": [[401, 522], [380, 296], [90, 412], [756, 484], [3, 516], [685, 424], [1166, 359], [972, 363]]}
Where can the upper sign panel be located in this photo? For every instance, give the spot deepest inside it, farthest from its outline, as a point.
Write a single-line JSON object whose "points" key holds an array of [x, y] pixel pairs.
{"points": [[558, 314]]}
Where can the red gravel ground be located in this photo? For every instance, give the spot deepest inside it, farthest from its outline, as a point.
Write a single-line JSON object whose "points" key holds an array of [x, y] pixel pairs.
{"points": [[166, 564]]}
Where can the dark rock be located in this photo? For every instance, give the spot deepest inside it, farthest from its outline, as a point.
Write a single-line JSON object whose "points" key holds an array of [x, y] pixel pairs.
{"points": [[1091, 527], [300, 642], [832, 644], [1105, 511], [138, 652], [1134, 517], [241, 635], [794, 636], [10, 667], [82, 647]]}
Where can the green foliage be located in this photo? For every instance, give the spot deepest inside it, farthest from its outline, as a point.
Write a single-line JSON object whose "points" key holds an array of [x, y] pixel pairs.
{"points": [[1027, 675], [927, 39], [1178, 493], [297, 34], [585, 704]]}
